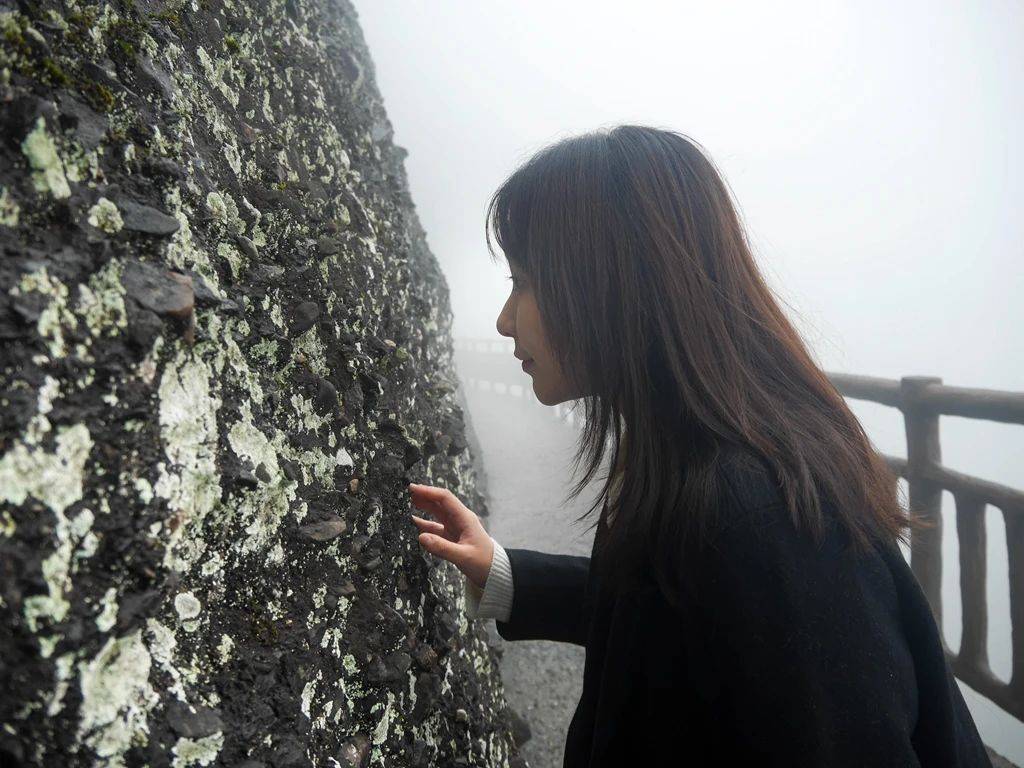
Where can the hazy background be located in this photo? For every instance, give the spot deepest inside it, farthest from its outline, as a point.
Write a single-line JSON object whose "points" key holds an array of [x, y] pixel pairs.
{"points": [[874, 148]]}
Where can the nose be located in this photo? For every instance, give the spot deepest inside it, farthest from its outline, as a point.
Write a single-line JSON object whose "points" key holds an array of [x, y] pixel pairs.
{"points": [[504, 324]]}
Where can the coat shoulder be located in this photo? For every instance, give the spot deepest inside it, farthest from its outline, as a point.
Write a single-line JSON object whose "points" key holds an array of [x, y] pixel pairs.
{"points": [[753, 515], [750, 480]]}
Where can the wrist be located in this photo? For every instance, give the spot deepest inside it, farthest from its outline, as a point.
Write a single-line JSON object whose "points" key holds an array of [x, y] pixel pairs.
{"points": [[481, 579]]}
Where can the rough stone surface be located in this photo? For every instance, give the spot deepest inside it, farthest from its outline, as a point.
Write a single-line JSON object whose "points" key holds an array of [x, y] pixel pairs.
{"points": [[226, 350]]}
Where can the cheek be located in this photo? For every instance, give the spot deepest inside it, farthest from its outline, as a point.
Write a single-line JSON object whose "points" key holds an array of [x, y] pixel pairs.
{"points": [[530, 320]]}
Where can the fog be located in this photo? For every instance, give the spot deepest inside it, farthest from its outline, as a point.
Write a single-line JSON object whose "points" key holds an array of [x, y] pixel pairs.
{"points": [[873, 148]]}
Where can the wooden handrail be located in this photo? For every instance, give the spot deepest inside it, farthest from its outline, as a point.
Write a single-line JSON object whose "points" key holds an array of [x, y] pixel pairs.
{"points": [[936, 398]]}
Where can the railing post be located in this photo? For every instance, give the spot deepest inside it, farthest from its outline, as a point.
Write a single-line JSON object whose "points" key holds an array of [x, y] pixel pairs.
{"points": [[925, 496], [970, 530], [1014, 519]]}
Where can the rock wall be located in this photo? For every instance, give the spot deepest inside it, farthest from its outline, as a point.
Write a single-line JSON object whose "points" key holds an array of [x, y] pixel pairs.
{"points": [[226, 351]]}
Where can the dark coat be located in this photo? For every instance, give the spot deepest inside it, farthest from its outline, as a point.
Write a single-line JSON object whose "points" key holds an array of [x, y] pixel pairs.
{"points": [[791, 655]]}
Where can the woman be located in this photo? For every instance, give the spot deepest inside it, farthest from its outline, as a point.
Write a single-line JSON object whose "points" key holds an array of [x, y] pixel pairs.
{"points": [[745, 602]]}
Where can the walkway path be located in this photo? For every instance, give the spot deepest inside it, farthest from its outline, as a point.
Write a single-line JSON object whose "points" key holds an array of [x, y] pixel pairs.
{"points": [[527, 451]]}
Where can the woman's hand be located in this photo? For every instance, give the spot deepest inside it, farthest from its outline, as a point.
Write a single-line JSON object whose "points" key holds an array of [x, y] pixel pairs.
{"points": [[459, 536]]}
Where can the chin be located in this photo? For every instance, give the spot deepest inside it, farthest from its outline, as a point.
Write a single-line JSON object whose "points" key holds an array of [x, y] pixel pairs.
{"points": [[549, 399]]}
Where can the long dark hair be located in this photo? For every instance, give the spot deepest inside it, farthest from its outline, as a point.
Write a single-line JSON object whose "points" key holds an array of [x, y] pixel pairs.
{"points": [[651, 299]]}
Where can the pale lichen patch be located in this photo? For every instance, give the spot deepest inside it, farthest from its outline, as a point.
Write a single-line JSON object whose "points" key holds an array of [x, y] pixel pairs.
{"points": [[108, 613], [101, 300], [116, 698], [265, 506], [217, 207], [380, 732], [233, 257], [308, 692], [144, 488], [182, 251], [225, 648], [188, 421], [64, 669], [188, 752], [56, 479], [307, 418], [105, 215], [7, 524], [47, 166], [161, 645], [9, 209], [187, 605], [310, 345], [349, 663], [56, 314]]}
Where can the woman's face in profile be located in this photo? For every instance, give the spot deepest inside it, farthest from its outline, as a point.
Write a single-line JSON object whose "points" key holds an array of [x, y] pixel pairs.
{"points": [[520, 320]]}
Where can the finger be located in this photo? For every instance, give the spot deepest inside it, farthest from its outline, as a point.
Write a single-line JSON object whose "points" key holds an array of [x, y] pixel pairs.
{"points": [[427, 505], [448, 507], [435, 545], [429, 526]]}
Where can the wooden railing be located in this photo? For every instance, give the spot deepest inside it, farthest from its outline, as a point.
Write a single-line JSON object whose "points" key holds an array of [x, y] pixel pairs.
{"points": [[922, 400], [489, 364]]}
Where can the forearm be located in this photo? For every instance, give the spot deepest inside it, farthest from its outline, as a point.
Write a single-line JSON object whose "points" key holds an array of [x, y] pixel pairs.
{"points": [[549, 599]]}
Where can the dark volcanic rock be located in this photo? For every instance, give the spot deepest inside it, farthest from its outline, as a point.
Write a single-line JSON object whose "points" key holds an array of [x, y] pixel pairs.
{"points": [[206, 555], [143, 218], [305, 314], [161, 291], [193, 723]]}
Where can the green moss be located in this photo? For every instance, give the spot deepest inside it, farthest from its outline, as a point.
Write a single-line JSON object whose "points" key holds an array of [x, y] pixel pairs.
{"points": [[83, 19], [231, 43], [126, 34], [101, 97], [57, 75], [171, 18]]}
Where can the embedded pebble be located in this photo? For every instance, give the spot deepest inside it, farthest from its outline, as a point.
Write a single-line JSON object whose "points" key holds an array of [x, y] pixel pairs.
{"points": [[304, 316], [143, 218], [325, 530], [159, 290]]}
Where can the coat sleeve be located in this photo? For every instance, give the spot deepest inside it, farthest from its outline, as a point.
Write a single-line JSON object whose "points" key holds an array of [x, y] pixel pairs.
{"points": [[494, 601], [548, 597], [808, 646]]}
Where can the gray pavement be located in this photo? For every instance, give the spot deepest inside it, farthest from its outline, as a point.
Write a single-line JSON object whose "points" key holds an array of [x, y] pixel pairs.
{"points": [[527, 453]]}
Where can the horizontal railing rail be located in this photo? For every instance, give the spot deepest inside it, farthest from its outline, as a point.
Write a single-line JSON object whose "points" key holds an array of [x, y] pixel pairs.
{"points": [[489, 364]]}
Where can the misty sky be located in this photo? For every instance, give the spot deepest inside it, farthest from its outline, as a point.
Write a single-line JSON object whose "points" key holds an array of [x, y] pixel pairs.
{"points": [[874, 149]]}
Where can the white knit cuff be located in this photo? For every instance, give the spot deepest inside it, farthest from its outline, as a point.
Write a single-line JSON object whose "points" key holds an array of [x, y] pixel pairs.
{"points": [[495, 600]]}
